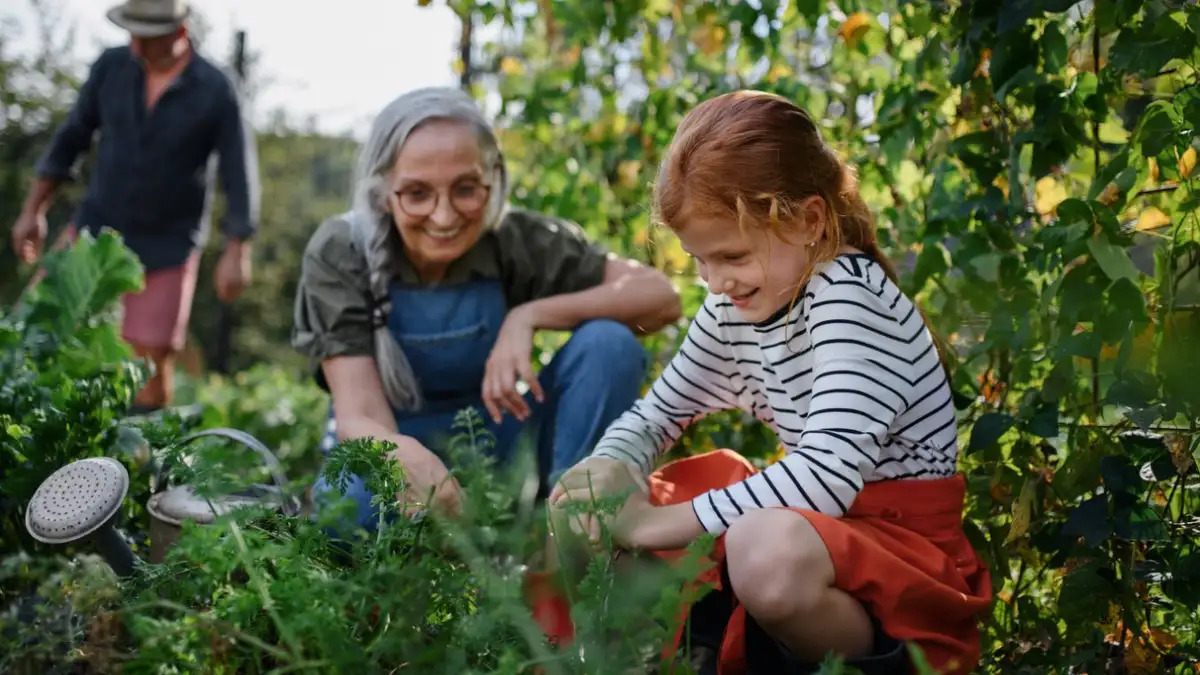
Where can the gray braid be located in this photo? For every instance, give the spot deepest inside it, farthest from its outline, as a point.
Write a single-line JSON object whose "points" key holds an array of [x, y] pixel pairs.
{"points": [[375, 231]]}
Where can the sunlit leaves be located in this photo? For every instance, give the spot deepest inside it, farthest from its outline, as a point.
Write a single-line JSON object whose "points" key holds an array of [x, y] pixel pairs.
{"points": [[1009, 150], [1157, 130], [1113, 259], [1147, 48]]}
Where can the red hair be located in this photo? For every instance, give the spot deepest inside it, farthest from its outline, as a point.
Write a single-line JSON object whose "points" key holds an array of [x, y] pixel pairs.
{"points": [[752, 157]]}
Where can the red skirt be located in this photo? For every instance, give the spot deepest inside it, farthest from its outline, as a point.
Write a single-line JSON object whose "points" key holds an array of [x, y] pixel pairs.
{"points": [[900, 550], [157, 317]]}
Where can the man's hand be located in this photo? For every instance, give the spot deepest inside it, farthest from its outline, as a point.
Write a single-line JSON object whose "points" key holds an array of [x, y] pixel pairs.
{"points": [[511, 359], [233, 271], [29, 236]]}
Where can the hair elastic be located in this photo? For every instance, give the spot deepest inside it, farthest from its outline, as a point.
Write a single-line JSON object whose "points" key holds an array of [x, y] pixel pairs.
{"points": [[380, 308]]}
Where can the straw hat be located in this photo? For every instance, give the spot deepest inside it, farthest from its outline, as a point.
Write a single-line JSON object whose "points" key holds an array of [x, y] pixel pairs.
{"points": [[150, 18]]}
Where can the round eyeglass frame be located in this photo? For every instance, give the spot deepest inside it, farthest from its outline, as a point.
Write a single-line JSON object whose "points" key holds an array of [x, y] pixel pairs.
{"points": [[437, 199]]}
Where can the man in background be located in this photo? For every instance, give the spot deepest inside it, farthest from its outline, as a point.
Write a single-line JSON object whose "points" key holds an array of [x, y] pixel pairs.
{"points": [[162, 111]]}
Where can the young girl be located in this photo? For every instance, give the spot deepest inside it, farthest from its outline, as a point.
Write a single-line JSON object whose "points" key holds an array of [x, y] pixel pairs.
{"points": [[853, 542]]}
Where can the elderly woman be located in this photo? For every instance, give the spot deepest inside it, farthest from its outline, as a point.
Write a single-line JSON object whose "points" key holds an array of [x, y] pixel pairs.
{"points": [[425, 298]]}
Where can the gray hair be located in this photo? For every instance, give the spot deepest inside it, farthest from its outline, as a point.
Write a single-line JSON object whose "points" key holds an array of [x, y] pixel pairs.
{"points": [[372, 224]]}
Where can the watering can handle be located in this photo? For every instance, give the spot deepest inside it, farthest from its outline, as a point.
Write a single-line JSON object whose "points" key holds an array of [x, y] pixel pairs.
{"points": [[254, 444]]}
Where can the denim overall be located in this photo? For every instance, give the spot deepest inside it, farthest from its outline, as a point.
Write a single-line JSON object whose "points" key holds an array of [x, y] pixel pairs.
{"points": [[447, 333]]}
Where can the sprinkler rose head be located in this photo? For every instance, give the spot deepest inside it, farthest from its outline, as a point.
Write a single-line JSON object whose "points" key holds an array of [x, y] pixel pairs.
{"points": [[82, 500]]}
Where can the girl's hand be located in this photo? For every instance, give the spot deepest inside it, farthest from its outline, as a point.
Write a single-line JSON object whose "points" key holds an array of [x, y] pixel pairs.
{"points": [[601, 476], [511, 359], [642, 525], [594, 477]]}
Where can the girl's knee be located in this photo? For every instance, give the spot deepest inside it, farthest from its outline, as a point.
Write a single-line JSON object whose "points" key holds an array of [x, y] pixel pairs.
{"points": [[777, 562]]}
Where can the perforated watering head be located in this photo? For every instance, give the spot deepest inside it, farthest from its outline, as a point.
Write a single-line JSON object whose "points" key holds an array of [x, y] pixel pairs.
{"points": [[82, 500]]}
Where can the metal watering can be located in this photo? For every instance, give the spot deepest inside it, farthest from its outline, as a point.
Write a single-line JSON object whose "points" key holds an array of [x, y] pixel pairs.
{"points": [[82, 502]]}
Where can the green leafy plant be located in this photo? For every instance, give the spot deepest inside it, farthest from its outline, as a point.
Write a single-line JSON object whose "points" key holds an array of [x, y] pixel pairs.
{"points": [[256, 591], [66, 376]]}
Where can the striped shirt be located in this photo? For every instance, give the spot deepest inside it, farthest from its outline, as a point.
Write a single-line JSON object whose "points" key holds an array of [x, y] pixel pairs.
{"points": [[849, 379]]}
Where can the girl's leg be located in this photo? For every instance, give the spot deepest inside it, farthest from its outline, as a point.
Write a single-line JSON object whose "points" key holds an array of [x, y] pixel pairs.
{"points": [[782, 574]]}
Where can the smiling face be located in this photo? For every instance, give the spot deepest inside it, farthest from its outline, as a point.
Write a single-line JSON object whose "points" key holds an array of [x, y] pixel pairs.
{"points": [[438, 195], [755, 268]]}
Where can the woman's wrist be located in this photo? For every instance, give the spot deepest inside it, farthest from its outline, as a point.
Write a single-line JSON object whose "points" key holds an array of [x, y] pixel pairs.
{"points": [[543, 314], [407, 447]]}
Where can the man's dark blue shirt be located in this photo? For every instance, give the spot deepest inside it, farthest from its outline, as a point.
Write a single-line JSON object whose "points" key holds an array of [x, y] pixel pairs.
{"points": [[152, 177]]}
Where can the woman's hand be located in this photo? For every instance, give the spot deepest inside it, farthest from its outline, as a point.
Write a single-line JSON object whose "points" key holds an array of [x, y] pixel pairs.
{"points": [[425, 472], [511, 359]]}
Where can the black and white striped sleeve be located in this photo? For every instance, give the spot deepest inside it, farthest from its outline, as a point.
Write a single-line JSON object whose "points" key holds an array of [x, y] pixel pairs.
{"points": [[701, 378], [858, 356]]}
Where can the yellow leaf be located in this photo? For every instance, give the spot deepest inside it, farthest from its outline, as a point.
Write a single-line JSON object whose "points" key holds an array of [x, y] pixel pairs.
{"points": [[424, 3], [1022, 511], [627, 173], [1180, 454], [1143, 347], [675, 257], [658, 9], [1187, 162], [709, 37], [1132, 86], [1109, 195], [1153, 169], [1152, 219], [570, 56], [1048, 194], [854, 27], [509, 65], [985, 61], [780, 453], [1001, 182], [778, 71]]}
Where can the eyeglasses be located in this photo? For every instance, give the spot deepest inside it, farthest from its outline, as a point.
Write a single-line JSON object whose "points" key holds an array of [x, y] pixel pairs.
{"points": [[420, 201]]}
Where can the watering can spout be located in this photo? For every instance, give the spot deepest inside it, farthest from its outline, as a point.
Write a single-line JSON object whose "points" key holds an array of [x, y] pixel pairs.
{"points": [[82, 502], [116, 552]]}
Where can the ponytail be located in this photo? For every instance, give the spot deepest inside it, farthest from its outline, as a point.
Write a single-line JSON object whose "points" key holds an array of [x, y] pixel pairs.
{"points": [[855, 226]]}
